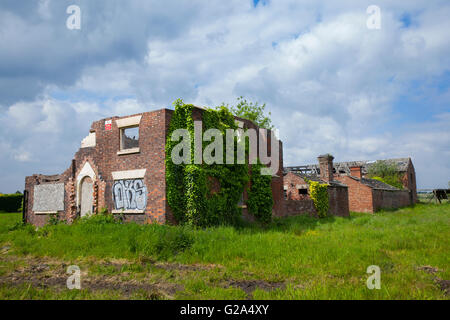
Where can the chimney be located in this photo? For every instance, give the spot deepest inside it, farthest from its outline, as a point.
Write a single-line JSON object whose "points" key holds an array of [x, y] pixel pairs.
{"points": [[355, 171], [326, 167]]}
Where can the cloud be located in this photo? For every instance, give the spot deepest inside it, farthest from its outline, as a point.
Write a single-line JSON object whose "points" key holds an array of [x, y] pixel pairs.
{"points": [[331, 84]]}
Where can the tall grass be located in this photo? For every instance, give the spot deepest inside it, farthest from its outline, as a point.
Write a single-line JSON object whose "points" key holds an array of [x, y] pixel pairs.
{"points": [[325, 258]]}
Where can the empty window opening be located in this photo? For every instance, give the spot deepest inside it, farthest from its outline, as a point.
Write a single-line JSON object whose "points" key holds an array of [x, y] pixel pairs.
{"points": [[129, 138], [302, 191]]}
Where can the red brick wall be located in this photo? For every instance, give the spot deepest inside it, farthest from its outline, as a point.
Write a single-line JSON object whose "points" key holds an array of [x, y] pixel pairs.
{"points": [[30, 182], [299, 207], [385, 199], [339, 201], [104, 160], [291, 181], [277, 187], [337, 197], [409, 181], [359, 195]]}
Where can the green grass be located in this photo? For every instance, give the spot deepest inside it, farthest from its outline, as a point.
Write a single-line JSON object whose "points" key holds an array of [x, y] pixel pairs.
{"points": [[313, 259]]}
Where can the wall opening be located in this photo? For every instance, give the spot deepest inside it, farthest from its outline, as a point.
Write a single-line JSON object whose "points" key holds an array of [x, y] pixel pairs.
{"points": [[129, 138]]}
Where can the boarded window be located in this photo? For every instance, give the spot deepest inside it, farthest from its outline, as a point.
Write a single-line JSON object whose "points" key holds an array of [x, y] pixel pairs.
{"points": [[48, 197]]}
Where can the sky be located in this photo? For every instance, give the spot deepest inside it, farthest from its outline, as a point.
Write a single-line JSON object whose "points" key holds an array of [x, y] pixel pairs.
{"points": [[332, 84]]}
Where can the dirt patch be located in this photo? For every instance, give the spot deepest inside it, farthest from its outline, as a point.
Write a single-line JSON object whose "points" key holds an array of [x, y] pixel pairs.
{"points": [[444, 285], [53, 275], [118, 264], [5, 249], [429, 269], [185, 267], [251, 285]]}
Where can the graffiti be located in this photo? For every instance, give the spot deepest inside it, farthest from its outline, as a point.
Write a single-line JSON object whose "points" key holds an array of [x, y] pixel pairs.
{"points": [[129, 194]]}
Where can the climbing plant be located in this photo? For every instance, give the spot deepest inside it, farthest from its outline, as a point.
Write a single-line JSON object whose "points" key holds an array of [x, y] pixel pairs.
{"points": [[319, 194], [260, 200], [190, 191]]}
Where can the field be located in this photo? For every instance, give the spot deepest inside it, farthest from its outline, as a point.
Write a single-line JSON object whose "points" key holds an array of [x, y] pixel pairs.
{"points": [[295, 258]]}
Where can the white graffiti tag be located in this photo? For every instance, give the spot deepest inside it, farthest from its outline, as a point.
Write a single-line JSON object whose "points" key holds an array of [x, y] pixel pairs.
{"points": [[129, 194]]}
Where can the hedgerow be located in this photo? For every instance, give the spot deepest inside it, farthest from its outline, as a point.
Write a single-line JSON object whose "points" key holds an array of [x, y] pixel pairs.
{"points": [[11, 202]]}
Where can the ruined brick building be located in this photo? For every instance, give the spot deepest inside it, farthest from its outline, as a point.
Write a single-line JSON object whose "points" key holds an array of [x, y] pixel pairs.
{"points": [[121, 167], [364, 194], [296, 190]]}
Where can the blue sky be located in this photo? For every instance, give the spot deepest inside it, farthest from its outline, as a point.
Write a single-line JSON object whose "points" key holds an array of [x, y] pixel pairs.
{"points": [[332, 84]]}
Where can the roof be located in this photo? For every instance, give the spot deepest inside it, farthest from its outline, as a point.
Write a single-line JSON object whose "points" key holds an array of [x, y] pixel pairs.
{"points": [[375, 184], [344, 167], [315, 177]]}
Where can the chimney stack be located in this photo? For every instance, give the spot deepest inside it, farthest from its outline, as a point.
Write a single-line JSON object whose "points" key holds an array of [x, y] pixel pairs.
{"points": [[355, 171], [326, 167]]}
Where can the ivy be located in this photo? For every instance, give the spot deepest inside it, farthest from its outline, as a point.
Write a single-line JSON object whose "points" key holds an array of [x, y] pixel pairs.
{"points": [[260, 200], [319, 194], [189, 185], [181, 119]]}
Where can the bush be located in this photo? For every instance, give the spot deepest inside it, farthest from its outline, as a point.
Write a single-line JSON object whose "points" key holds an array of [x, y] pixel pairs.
{"points": [[390, 180], [172, 241], [319, 194], [386, 173], [98, 219], [11, 202]]}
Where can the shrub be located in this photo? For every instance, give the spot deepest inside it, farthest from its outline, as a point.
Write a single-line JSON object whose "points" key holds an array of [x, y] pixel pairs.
{"points": [[385, 172], [390, 180], [319, 194], [98, 219], [172, 241], [11, 202]]}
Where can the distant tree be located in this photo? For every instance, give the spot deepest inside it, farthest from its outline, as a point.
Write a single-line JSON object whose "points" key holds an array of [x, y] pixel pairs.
{"points": [[18, 192], [382, 169], [385, 172], [252, 111]]}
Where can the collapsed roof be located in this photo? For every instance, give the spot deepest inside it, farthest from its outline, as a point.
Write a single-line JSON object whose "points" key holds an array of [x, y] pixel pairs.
{"points": [[344, 167]]}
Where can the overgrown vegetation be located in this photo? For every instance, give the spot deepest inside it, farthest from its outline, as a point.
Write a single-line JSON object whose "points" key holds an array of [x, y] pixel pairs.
{"points": [[385, 172], [260, 200], [190, 186], [319, 194], [11, 202], [252, 111], [299, 257]]}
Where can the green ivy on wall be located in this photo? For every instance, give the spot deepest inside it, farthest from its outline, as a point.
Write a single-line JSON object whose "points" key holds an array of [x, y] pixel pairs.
{"points": [[189, 185], [260, 200], [319, 194]]}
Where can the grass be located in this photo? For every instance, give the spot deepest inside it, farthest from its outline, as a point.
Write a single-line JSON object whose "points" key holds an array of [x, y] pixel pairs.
{"points": [[294, 258]]}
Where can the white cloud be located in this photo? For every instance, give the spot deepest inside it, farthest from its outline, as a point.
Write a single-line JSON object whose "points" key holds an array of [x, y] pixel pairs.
{"points": [[331, 84]]}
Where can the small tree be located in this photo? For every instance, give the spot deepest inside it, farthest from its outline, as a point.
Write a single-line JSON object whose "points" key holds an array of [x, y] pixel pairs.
{"points": [[385, 172], [252, 111]]}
